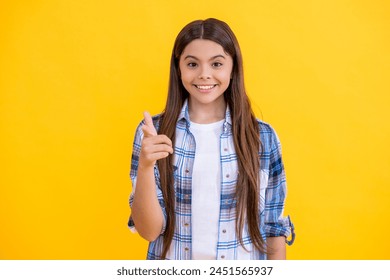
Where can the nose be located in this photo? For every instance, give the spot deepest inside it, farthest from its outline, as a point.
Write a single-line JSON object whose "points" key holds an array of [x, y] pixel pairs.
{"points": [[204, 73]]}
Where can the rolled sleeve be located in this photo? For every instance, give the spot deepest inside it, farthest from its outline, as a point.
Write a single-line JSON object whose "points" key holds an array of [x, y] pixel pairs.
{"points": [[133, 175], [275, 223], [283, 227]]}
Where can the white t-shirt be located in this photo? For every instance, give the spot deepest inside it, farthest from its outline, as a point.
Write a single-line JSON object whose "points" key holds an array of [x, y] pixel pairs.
{"points": [[206, 189]]}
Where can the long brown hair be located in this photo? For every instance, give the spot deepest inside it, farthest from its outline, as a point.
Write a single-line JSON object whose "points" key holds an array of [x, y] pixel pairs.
{"points": [[244, 127]]}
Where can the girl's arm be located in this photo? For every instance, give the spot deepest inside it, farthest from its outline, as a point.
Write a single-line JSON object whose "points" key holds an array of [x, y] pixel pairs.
{"points": [[146, 210], [277, 227], [276, 248]]}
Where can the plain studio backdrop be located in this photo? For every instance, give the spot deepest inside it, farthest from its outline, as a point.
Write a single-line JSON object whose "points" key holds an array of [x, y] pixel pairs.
{"points": [[75, 77]]}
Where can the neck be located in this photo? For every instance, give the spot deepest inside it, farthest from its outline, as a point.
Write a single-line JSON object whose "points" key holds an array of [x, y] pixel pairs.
{"points": [[206, 113]]}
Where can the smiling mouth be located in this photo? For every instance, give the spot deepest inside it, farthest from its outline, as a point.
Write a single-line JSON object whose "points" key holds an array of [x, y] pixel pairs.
{"points": [[205, 87]]}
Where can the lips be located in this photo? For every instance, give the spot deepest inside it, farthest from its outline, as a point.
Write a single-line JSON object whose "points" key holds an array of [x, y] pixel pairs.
{"points": [[204, 87]]}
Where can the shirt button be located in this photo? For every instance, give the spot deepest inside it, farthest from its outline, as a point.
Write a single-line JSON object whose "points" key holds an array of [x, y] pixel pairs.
{"points": [[225, 149], [186, 224], [227, 175], [186, 249], [187, 171], [224, 230], [223, 256], [186, 196]]}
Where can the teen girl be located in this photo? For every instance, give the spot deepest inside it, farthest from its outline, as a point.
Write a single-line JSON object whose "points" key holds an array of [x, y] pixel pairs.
{"points": [[208, 179]]}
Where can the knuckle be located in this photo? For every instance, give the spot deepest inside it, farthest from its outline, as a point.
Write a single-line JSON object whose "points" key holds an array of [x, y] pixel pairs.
{"points": [[146, 149]]}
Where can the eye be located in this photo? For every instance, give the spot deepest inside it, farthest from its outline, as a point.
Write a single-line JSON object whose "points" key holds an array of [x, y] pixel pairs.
{"points": [[192, 65], [217, 64]]}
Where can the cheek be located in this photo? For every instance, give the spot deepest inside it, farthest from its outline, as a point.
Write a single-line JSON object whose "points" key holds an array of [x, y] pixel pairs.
{"points": [[185, 74], [186, 81], [186, 77], [225, 77]]}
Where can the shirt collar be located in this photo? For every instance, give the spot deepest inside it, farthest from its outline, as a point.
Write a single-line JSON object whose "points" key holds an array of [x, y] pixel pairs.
{"points": [[184, 112], [184, 115]]}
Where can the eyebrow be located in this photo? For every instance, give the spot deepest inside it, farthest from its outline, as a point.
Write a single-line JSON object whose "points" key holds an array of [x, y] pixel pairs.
{"points": [[194, 57]]}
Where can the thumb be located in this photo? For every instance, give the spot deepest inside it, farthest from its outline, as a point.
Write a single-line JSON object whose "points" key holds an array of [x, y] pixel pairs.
{"points": [[151, 130]]}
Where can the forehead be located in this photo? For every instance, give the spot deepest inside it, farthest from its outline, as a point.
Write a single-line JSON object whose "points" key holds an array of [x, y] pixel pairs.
{"points": [[201, 48]]}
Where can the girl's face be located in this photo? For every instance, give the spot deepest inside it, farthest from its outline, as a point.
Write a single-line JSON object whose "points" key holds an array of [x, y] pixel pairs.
{"points": [[205, 73]]}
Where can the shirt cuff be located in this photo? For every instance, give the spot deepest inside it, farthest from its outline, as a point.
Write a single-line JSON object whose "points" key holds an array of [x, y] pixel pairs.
{"points": [[284, 227], [131, 225], [132, 228]]}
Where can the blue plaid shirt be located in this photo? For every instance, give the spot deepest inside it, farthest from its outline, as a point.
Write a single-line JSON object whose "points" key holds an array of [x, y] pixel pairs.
{"points": [[272, 192]]}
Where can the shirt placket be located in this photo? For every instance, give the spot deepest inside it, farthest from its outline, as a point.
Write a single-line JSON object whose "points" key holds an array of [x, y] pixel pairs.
{"points": [[186, 218], [224, 233]]}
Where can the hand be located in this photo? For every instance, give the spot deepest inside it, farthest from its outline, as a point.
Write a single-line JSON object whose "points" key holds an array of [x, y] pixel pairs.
{"points": [[153, 146]]}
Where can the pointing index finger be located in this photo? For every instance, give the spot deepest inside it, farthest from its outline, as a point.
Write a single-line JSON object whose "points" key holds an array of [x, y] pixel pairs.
{"points": [[149, 123]]}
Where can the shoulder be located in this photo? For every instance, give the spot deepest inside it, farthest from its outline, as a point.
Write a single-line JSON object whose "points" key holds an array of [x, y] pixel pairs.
{"points": [[264, 127], [266, 130], [268, 135]]}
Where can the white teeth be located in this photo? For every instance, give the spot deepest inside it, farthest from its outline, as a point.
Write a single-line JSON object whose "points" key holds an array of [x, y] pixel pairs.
{"points": [[205, 87]]}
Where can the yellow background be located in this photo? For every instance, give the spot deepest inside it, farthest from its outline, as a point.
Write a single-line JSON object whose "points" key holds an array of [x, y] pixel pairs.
{"points": [[75, 77]]}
